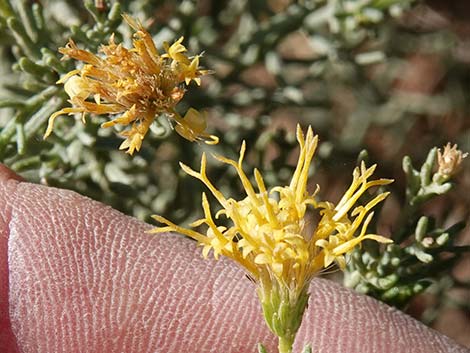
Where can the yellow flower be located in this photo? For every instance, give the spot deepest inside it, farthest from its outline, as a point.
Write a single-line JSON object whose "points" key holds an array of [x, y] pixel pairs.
{"points": [[269, 236], [176, 51], [134, 85]]}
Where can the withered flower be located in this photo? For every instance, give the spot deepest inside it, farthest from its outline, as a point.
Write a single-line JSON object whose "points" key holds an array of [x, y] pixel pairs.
{"points": [[449, 160], [136, 85]]}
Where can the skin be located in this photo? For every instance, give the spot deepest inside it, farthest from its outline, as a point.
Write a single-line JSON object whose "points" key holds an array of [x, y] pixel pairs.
{"points": [[78, 276]]}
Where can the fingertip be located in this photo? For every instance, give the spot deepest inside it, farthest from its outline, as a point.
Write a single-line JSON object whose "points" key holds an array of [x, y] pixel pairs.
{"points": [[7, 339], [340, 320], [7, 174], [84, 275]]}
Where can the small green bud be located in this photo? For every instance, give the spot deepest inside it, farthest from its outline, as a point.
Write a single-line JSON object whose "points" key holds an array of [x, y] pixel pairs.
{"points": [[421, 228], [442, 239]]}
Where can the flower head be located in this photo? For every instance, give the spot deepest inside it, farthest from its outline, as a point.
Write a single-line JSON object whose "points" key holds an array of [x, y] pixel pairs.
{"points": [[449, 160], [269, 236], [134, 85]]}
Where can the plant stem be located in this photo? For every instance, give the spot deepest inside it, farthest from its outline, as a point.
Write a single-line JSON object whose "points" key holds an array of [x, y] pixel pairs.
{"points": [[285, 344]]}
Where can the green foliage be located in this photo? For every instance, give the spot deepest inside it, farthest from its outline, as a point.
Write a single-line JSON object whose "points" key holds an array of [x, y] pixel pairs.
{"points": [[422, 252]]}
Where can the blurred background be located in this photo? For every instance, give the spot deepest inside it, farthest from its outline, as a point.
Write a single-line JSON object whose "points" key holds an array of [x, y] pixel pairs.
{"points": [[390, 77]]}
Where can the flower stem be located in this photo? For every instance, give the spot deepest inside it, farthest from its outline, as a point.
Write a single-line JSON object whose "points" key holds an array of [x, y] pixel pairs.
{"points": [[285, 344]]}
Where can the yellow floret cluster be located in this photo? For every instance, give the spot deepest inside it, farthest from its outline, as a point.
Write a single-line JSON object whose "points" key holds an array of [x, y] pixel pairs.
{"points": [[269, 235]]}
